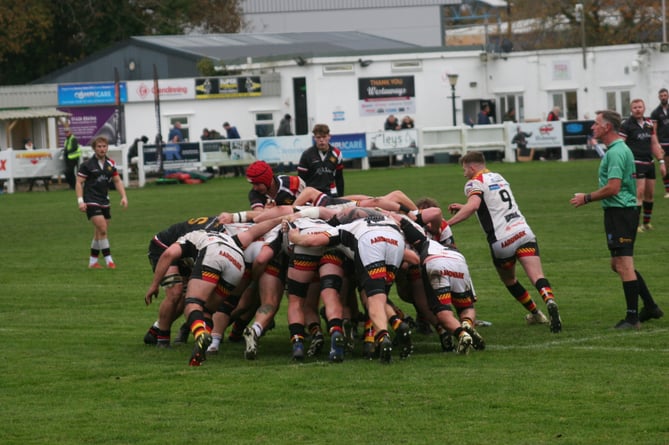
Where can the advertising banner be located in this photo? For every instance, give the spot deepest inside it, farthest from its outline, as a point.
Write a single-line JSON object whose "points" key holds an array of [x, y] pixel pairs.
{"points": [[352, 146], [228, 87], [170, 89], [390, 143], [386, 95], [6, 163], [88, 123], [576, 132], [537, 134], [37, 163], [283, 149], [229, 152], [91, 94], [175, 156]]}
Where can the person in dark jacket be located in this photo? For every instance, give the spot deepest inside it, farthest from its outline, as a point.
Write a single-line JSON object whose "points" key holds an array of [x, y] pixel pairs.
{"points": [[321, 166]]}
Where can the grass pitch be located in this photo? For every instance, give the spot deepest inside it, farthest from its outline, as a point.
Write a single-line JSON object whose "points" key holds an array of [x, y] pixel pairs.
{"points": [[74, 368]]}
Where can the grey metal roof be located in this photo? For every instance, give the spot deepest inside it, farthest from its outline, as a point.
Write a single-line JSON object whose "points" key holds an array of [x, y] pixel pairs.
{"points": [[231, 47], [267, 6], [31, 113]]}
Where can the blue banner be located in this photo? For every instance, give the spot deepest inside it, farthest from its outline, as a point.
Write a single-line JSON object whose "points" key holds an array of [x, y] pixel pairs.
{"points": [[90, 94], [352, 146], [282, 149]]}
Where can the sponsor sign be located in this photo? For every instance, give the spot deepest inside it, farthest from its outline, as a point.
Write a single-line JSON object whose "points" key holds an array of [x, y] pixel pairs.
{"points": [[87, 123], [170, 89], [175, 156], [538, 134], [352, 146], [91, 94], [283, 149], [386, 95], [228, 87], [390, 143]]}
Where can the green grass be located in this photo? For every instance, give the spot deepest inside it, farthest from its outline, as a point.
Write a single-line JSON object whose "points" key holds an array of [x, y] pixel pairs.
{"points": [[73, 368]]}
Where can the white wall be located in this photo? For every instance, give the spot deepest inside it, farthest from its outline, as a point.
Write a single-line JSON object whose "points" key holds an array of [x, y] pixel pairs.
{"points": [[532, 74]]}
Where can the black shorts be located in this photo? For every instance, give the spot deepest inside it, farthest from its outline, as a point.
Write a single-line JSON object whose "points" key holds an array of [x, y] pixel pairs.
{"points": [[92, 211], [620, 224], [645, 171]]}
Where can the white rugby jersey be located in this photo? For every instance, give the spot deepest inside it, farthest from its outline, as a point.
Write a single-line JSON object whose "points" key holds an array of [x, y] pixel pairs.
{"points": [[252, 250], [351, 232], [435, 249], [201, 239], [312, 226], [498, 213]]}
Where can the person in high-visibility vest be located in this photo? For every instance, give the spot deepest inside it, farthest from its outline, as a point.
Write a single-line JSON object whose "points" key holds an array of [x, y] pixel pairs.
{"points": [[72, 155]]}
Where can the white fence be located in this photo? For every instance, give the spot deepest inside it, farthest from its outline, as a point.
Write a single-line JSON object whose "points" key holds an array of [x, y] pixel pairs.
{"points": [[424, 142]]}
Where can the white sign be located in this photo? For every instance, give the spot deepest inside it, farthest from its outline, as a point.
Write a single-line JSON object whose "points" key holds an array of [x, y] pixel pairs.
{"points": [[170, 89], [537, 134]]}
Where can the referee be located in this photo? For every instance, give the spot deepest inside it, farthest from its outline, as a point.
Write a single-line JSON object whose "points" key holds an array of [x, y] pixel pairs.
{"points": [[617, 192]]}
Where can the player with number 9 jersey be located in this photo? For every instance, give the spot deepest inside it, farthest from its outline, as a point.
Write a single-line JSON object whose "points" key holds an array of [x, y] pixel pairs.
{"points": [[505, 226]]}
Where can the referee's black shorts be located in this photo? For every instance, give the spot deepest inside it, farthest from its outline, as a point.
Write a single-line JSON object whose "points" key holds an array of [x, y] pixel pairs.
{"points": [[620, 224]]}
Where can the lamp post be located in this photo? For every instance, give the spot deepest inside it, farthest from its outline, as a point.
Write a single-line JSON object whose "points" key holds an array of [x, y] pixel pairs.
{"points": [[452, 80]]}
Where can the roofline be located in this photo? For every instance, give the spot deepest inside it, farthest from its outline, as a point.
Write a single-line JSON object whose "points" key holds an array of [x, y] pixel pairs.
{"points": [[132, 41], [418, 49]]}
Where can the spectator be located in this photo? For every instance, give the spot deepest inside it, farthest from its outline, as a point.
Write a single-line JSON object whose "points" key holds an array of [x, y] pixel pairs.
{"points": [[408, 159], [484, 115], [133, 151], [392, 124], [205, 136], [284, 126], [510, 115], [554, 114], [72, 155], [553, 152], [231, 131], [175, 135]]}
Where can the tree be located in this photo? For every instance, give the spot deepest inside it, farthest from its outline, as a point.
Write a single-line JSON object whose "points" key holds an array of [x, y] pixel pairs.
{"points": [[607, 22], [40, 36]]}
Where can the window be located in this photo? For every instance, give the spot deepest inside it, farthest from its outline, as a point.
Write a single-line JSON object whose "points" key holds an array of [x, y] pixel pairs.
{"points": [[512, 107], [568, 103], [184, 125], [619, 101], [264, 124]]}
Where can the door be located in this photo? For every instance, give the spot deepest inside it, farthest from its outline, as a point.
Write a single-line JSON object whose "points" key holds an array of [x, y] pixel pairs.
{"points": [[300, 100]]}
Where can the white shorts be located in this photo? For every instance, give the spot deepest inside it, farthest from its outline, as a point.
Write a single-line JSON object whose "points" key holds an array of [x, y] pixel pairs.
{"points": [[385, 246], [449, 271], [218, 263], [508, 247]]}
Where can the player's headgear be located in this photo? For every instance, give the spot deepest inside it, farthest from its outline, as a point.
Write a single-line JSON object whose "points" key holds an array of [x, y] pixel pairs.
{"points": [[260, 173]]}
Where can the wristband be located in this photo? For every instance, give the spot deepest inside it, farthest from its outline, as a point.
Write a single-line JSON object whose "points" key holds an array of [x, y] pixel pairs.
{"points": [[239, 217], [310, 212], [80, 200], [587, 198], [661, 161]]}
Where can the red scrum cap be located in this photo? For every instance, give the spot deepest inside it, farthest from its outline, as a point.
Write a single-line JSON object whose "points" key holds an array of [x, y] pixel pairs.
{"points": [[260, 173]]}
